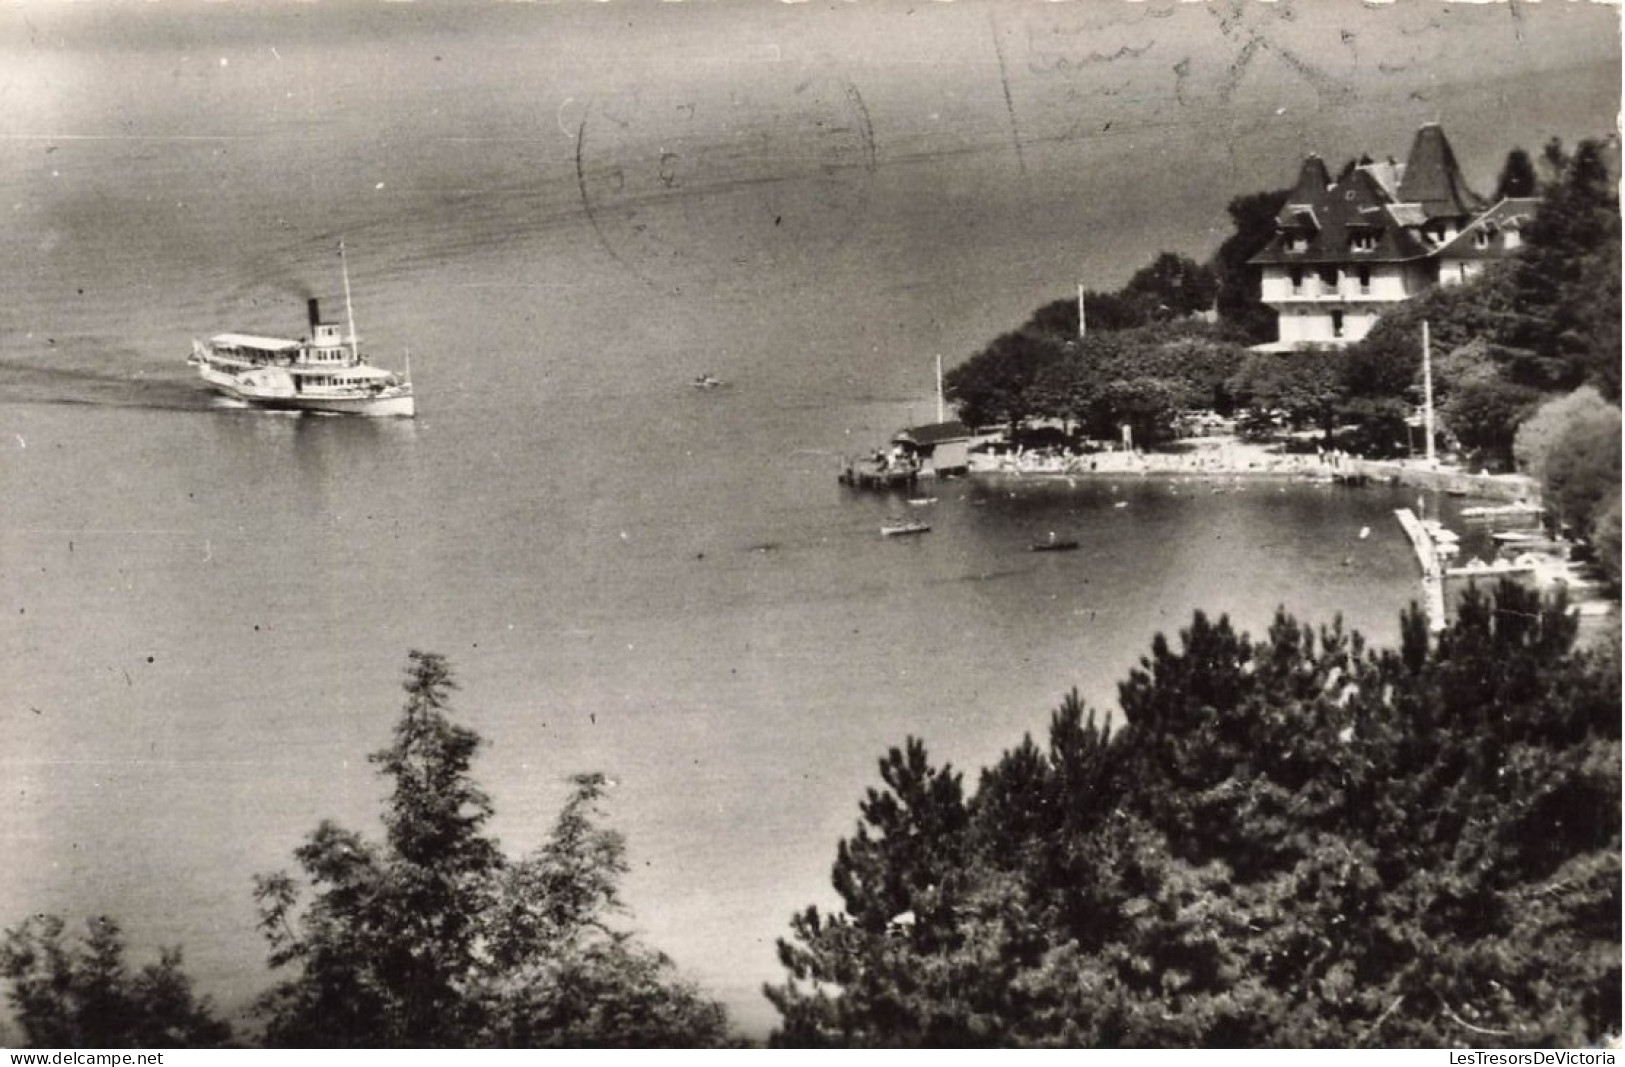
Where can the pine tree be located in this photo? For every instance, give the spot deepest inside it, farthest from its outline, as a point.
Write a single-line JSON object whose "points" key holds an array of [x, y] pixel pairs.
{"points": [[1290, 841], [433, 938], [1567, 274], [82, 995]]}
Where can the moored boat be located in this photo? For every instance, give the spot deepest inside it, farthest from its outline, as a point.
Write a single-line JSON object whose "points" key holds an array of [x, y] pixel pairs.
{"points": [[1518, 510], [325, 372], [903, 527]]}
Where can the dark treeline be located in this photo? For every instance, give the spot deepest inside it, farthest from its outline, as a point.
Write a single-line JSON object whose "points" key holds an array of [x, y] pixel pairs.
{"points": [[1293, 840], [1287, 841]]}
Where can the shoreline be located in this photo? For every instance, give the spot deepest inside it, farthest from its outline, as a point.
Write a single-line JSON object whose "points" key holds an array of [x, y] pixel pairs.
{"points": [[1227, 458]]}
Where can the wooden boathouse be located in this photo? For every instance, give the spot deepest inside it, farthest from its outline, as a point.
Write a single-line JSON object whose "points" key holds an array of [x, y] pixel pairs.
{"points": [[938, 448]]}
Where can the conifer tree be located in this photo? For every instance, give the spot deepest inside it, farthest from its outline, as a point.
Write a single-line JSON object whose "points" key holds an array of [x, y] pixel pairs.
{"points": [[433, 938], [82, 995], [1291, 840]]}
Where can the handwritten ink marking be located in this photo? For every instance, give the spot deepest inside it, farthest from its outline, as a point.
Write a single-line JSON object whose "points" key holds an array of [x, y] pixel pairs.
{"points": [[1045, 56], [588, 209], [1009, 104], [866, 128], [1233, 25], [1182, 70], [717, 187]]}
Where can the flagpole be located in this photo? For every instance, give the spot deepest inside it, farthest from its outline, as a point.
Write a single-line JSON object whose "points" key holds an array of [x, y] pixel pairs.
{"points": [[1427, 394], [349, 310], [1080, 312], [941, 415]]}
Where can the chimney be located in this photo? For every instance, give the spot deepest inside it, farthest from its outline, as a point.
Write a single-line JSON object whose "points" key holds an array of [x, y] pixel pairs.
{"points": [[315, 313]]}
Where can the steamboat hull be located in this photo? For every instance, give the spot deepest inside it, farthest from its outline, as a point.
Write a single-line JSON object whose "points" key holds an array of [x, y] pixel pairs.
{"points": [[398, 403]]}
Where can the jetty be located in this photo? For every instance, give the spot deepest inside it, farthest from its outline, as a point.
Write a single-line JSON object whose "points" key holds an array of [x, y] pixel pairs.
{"points": [[1427, 554], [879, 471]]}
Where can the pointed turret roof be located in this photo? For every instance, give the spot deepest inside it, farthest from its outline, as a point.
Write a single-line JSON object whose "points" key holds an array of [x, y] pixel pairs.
{"points": [[1433, 180], [1313, 181]]}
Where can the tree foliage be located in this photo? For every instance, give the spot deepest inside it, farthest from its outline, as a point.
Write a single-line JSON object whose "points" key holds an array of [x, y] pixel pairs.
{"points": [[433, 938], [1140, 377], [82, 995], [1173, 287], [1290, 840], [1001, 385], [1583, 471], [1539, 437], [1239, 300], [1484, 413], [1518, 177], [1310, 386]]}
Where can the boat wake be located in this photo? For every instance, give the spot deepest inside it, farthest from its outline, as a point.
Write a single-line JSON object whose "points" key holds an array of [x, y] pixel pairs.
{"points": [[98, 385]]}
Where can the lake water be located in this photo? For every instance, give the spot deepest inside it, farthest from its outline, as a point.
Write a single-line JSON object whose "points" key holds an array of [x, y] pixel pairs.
{"points": [[205, 612]]}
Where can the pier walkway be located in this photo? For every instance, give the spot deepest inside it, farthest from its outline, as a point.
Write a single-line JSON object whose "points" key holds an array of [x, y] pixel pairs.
{"points": [[1427, 554]]}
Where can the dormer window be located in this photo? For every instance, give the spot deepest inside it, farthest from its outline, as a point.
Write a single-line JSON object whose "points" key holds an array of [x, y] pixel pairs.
{"points": [[1363, 241], [1511, 239], [1298, 225], [1481, 238]]}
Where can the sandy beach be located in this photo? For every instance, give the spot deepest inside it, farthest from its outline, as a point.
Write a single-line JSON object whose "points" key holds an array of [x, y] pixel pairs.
{"points": [[1229, 457]]}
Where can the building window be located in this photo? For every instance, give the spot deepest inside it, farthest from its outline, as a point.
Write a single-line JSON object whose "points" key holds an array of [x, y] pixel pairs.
{"points": [[1297, 280], [1363, 242], [1481, 239], [1337, 324], [1510, 239], [1297, 243], [1365, 280], [1328, 279]]}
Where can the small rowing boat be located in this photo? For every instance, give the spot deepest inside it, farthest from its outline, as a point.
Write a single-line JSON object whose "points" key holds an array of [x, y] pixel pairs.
{"points": [[903, 528]]}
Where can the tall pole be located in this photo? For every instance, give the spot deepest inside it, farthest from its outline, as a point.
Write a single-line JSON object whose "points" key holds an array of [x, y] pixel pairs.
{"points": [[1427, 394], [1081, 324], [349, 311], [941, 415]]}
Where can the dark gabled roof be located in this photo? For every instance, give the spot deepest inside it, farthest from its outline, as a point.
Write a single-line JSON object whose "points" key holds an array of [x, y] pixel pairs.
{"points": [[934, 433], [1511, 213], [1433, 179], [1358, 205], [1403, 211]]}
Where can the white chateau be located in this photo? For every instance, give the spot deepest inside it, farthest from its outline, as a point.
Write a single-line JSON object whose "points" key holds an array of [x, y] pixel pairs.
{"points": [[1346, 250]]}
